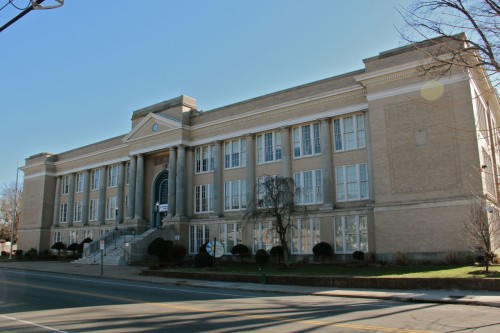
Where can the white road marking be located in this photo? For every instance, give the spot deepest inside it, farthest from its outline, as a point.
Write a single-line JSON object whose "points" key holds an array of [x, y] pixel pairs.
{"points": [[33, 324]]}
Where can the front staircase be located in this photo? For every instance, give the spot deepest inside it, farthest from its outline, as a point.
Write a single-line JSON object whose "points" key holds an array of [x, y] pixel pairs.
{"points": [[122, 247]]}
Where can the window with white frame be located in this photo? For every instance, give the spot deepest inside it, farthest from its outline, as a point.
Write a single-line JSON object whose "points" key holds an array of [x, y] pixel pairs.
{"points": [[113, 176], [95, 179], [235, 152], [198, 235], [352, 182], [349, 133], [87, 233], [268, 147], [229, 235], [310, 185], [77, 211], [110, 208], [79, 182], [235, 195], [203, 198], [63, 213], [57, 236], [305, 236], [65, 184], [73, 237], [306, 140], [93, 207], [351, 233], [264, 236], [204, 158]]}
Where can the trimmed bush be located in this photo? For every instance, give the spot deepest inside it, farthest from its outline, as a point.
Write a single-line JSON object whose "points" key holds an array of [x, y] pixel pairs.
{"points": [[358, 255], [58, 246], [73, 247], [31, 254], [240, 249], [322, 249], [261, 257], [203, 248], [203, 259], [160, 248], [177, 253], [277, 251]]}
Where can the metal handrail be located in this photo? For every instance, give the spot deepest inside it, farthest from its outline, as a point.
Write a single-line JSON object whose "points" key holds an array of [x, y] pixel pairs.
{"points": [[109, 239]]}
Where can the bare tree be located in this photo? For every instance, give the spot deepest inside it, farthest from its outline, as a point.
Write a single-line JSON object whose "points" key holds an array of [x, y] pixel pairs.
{"points": [[7, 195], [469, 31], [481, 229], [276, 202]]}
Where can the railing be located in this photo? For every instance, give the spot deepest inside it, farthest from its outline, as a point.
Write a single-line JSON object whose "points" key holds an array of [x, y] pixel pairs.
{"points": [[109, 238]]}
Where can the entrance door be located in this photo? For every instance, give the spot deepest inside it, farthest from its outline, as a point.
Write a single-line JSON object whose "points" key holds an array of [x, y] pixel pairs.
{"points": [[160, 201]]}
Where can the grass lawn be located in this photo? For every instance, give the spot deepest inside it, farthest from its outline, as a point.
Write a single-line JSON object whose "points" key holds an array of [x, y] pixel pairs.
{"points": [[438, 271]]}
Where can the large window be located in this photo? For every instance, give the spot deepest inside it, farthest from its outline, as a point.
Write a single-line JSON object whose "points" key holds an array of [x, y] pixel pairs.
{"points": [[203, 198], [198, 235], [310, 185], [235, 153], [79, 182], [305, 236], [352, 182], [268, 147], [306, 140], [110, 208], [65, 184], [349, 133], [94, 205], [351, 233], [235, 195], [95, 179], [229, 235], [63, 213], [113, 176], [264, 236], [77, 212], [204, 157], [57, 236]]}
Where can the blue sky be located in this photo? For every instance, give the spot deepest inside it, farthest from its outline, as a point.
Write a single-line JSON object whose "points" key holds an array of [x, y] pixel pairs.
{"points": [[73, 76]]}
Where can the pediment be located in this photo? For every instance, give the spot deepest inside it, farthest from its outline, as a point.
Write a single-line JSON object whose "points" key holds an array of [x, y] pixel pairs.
{"points": [[152, 124]]}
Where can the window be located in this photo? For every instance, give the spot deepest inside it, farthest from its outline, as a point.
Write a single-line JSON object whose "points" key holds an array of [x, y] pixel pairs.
{"points": [[94, 205], [79, 182], [306, 140], [110, 208], [204, 157], [65, 184], [264, 236], [203, 198], [77, 212], [63, 214], [198, 235], [229, 235], [488, 174], [95, 179], [235, 195], [113, 176], [87, 234], [57, 236], [235, 154], [268, 147], [305, 236], [72, 237], [351, 233], [352, 182], [349, 133], [310, 186]]}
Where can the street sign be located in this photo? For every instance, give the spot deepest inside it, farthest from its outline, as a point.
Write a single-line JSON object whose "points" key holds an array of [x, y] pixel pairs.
{"points": [[215, 249], [163, 208], [101, 244]]}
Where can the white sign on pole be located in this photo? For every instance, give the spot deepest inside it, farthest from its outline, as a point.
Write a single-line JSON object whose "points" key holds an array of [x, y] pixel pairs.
{"points": [[216, 248], [163, 208], [101, 244]]}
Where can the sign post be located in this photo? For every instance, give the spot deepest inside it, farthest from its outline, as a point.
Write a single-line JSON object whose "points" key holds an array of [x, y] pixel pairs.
{"points": [[215, 249], [101, 247]]}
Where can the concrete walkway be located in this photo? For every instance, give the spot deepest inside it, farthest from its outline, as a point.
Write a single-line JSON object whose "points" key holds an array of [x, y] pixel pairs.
{"points": [[132, 273]]}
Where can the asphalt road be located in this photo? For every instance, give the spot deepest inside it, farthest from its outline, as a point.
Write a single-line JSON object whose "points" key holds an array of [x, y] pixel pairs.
{"points": [[47, 302]]}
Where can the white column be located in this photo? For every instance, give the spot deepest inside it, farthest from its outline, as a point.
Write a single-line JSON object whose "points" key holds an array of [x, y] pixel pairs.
{"points": [[250, 172], [218, 185], [120, 200], [101, 212], [131, 188], [57, 202], [172, 175], [286, 156], [327, 163], [139, 189], [180, 182]]}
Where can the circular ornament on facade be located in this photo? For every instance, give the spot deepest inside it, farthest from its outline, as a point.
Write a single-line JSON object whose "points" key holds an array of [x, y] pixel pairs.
{"points": [[154, 128]]}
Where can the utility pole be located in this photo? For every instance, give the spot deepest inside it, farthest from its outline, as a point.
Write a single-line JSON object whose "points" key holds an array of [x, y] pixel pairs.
{"points": [[14, 214], [20, 15]]}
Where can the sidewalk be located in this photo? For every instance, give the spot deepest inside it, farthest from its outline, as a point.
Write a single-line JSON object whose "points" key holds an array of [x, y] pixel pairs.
{"points": [[132, 273]]}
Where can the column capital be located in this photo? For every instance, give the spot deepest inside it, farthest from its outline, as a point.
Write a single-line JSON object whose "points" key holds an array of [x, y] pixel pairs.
{"points": [[325, 120]]}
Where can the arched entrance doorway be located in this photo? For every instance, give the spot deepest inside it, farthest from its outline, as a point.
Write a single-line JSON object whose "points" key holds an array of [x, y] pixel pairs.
{"points": [[160, 198]]}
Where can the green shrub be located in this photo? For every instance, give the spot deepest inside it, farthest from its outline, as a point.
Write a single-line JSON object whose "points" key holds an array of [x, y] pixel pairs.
{"points": [[177, 253], [261, 257], [240, 249], [358, 255], [18, 254], [203, 248], [73, 247], [31, 254], [160, 248], [322, 249], [58, 246], [277, 251], [203, 259]]}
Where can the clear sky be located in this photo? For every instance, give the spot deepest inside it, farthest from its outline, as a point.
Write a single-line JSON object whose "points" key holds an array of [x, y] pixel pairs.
{"points": [[74, 75]]}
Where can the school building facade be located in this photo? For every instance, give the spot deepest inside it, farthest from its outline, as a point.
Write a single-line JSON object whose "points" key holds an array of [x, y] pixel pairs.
{"points": [[388, 160]]}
